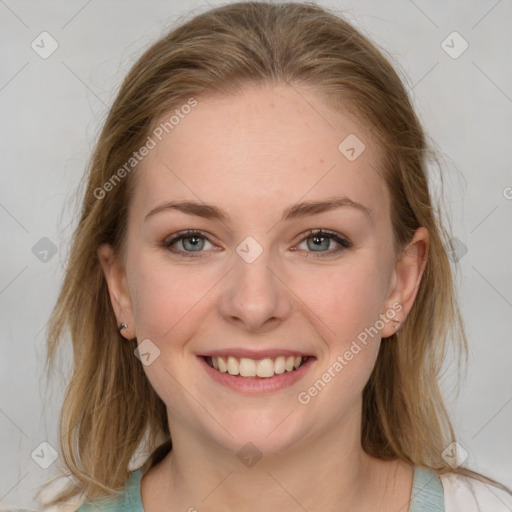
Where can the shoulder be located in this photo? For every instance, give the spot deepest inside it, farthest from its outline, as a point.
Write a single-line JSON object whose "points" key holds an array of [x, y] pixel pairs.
{"points": [[472, 495], [128, 500]]}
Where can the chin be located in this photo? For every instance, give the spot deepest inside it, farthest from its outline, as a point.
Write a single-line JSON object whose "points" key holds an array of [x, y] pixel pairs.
{"points": [[264, 432]]}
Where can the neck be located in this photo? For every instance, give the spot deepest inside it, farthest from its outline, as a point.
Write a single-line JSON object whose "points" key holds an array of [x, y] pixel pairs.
{"points": [[199, 474]]}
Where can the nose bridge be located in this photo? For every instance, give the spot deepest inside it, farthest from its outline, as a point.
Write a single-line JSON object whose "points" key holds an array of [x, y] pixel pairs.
{"points": [[254, 294]]}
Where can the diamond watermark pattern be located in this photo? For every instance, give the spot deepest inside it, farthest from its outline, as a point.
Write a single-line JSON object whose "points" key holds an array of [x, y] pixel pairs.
{"points": [[44, 45], [249, 455], [44, 455], [44, 250], [351, 147], [454, 455], [456, 249], [454, 45], [249, 250], [146, 352]]}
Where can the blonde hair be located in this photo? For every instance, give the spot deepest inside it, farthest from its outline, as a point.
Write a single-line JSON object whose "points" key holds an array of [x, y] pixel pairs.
{"points": [[110, 410]]}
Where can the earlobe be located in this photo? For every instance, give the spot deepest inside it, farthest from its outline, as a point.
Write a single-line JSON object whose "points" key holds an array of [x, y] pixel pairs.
{"points": [[118, 290], [408, 273]]}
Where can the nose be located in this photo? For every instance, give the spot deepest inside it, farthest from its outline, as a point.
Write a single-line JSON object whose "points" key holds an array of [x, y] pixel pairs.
{"points": [[255, 297]]}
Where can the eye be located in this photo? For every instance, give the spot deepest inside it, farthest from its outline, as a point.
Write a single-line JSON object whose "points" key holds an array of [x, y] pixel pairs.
{"points": [[321, 242], [190, 241]]}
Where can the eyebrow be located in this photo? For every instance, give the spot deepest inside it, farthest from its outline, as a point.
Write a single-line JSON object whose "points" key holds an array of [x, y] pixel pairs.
{"points": [[298, 210]]}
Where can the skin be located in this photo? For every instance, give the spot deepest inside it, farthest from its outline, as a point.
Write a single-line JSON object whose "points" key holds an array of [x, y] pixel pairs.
{"points": [[253, 155]]}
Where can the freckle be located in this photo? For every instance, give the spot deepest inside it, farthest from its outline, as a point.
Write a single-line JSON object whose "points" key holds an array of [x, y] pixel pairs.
{"points": [[321, 160]]}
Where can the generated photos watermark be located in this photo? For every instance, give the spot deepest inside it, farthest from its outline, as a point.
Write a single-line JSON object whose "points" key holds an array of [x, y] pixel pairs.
{"points": [[151, 143], [304, 397]]}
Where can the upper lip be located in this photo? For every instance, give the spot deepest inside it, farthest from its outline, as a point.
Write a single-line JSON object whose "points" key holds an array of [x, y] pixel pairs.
{"points": [[254, 354]]}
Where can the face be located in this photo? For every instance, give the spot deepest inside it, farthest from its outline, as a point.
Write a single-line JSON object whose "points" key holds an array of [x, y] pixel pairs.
{"points": [[252, 179]]}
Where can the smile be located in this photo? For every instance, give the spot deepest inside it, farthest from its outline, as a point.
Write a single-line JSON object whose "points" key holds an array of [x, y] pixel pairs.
{"points": [[264, 368], [257, 374]]}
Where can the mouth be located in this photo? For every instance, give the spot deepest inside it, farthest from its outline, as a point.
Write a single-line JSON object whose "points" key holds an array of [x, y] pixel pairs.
{"points": [[264, 368]]}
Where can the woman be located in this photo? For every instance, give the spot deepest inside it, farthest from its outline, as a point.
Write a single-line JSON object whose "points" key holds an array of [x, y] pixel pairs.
{"points": [[258, 281]]}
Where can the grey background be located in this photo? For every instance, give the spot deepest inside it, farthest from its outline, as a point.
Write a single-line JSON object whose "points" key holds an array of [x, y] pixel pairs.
{"points": [[53, 108]]}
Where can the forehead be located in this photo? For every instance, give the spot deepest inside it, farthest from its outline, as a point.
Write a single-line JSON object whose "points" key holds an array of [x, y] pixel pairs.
{"points": [[281, 142]]}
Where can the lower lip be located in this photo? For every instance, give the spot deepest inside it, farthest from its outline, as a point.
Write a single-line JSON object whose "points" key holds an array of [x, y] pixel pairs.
{"points": [[257, 386]]}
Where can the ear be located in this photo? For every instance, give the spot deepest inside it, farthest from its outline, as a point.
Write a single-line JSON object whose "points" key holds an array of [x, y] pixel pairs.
{"points": [[118, 289], [407, 276]]}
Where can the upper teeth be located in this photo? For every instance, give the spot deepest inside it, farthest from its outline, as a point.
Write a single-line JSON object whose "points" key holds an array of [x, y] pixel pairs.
{"points": [[246, 367]]}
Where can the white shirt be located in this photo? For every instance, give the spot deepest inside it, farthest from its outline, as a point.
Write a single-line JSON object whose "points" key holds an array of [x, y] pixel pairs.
{"points": [[464, 494]]}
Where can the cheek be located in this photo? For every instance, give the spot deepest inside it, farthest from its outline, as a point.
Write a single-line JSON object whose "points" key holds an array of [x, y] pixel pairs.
{"points": [[345, 303], [346, 310], [347, 299], [171, 300], [163, 300]]}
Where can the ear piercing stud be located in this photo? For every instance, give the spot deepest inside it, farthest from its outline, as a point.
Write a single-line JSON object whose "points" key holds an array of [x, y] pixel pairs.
{"points": [[122, 326]]}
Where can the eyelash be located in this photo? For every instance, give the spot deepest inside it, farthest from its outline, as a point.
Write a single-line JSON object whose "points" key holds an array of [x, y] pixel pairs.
{"points": [[331, 235]]}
